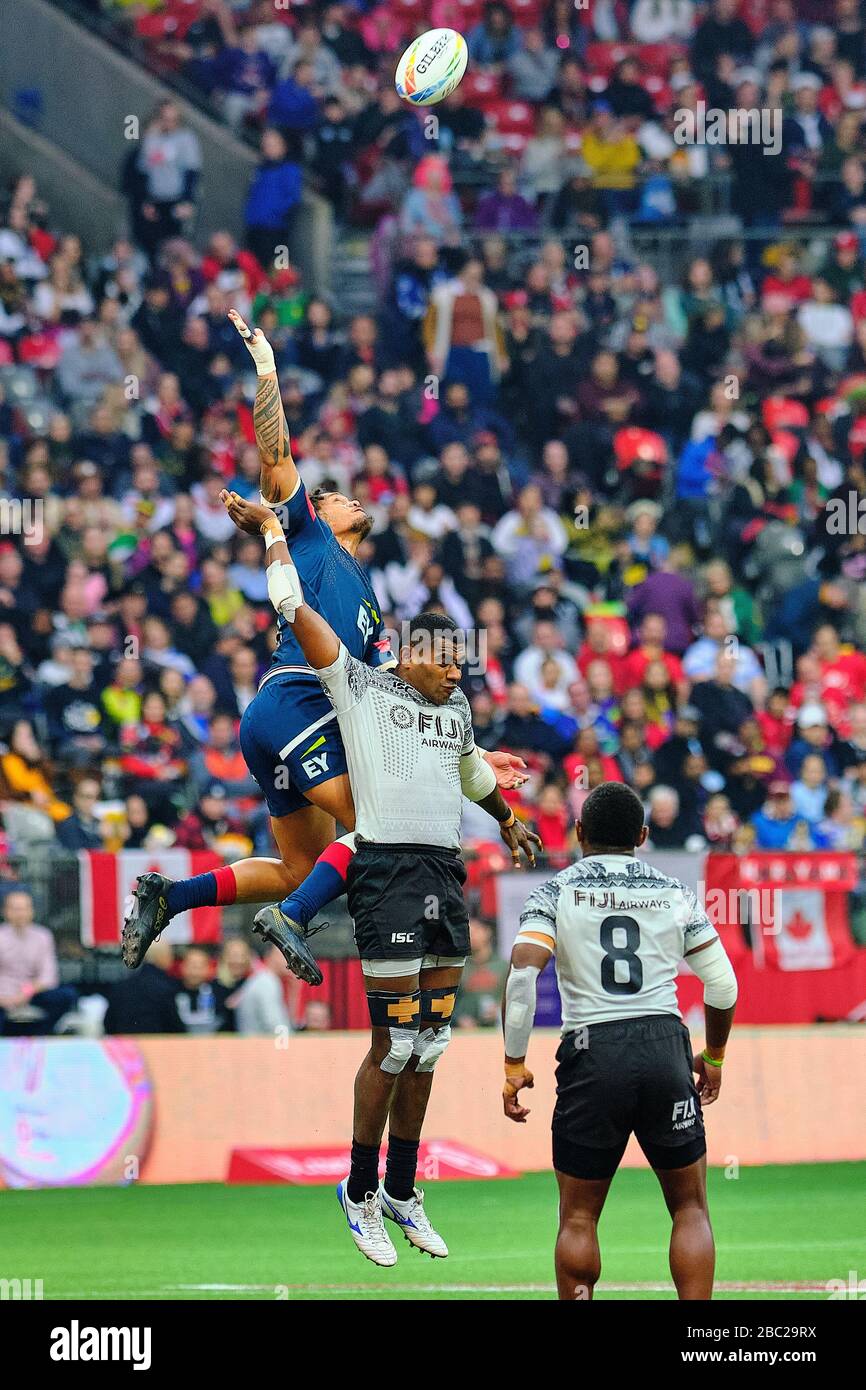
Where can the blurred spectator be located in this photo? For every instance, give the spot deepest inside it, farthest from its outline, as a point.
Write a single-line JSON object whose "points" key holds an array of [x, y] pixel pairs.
{"points": [[261, 1005], [200, 999], [146, 1002], [163, 180], [274, 195], [32, 1000], [480, 996], [82, 830]]}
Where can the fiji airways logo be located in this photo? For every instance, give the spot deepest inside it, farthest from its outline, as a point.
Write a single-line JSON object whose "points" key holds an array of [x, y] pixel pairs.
{"points": [[77, 1343], [684, 1114]]}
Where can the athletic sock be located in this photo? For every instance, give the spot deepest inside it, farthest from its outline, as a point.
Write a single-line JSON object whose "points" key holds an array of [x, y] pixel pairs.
{"points": [[216, 889], [364, 1171], [400, 1168], [325, 882]]}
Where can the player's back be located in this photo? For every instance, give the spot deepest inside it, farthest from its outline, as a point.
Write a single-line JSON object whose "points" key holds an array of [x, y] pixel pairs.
{"points": [[621, 927]]}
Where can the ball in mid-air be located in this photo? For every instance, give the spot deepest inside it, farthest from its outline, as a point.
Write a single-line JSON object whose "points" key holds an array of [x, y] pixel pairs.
{"points": [[431, 67]]}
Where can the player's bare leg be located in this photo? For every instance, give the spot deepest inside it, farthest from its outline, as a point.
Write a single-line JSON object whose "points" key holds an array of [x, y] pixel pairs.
{"points": [[394, 1010], [692, 1248], [577, 1257], [412, 1093], [285, 923], [402, 1201], [301, 838], [375, 1085]]}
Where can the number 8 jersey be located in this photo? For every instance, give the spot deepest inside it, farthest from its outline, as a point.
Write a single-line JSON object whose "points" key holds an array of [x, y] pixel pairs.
{"points": [[619, 928]]}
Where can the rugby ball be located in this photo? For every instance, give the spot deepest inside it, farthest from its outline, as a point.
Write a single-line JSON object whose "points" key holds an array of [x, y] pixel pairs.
{"points": [[431, 67]]}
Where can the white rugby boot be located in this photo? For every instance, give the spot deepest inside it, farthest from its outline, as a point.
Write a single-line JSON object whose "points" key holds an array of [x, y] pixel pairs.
{"points": [[366, 1226], [414, 1222]]}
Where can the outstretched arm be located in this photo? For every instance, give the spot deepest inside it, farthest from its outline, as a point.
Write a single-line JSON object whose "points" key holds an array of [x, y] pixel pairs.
{"points": [[279, 476]]}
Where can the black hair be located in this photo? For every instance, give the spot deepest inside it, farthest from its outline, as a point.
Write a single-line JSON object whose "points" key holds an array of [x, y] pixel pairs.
{"points": [[318, 495], [612, 815], [429, 624]]}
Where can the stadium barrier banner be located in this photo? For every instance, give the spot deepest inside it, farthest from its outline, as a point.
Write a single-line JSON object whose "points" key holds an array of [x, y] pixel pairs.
{"points": [[306, 1167], [796, 905], [169, 1109], [106, 881]]}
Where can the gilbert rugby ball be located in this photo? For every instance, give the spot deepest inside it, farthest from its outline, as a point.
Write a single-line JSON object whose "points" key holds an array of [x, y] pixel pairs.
{"points": [[431, 67]]}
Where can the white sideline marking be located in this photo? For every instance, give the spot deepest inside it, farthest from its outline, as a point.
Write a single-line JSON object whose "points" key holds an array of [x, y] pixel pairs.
{"points": [[721, 1286]]}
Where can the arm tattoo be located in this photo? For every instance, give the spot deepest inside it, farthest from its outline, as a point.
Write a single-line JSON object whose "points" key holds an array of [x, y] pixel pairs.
{"points": [[272, 433]]}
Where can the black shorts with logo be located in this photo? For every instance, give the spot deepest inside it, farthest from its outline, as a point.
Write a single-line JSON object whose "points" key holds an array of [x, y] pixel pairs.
{"points": [[615, 1079], [407, 901]]}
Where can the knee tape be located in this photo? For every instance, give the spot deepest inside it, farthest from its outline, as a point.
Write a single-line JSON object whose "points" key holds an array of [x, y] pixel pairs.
{"points": [[400, 1014], [429, 1046]]}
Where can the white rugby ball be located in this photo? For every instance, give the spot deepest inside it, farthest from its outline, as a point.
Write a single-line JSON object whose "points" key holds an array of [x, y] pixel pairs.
{"points": [[431, 67]]}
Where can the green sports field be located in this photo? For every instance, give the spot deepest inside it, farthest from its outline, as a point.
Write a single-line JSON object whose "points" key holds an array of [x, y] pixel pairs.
{"points": [[782, 1232]]}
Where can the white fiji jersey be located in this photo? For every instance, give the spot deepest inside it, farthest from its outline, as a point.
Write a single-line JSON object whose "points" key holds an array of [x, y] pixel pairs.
{"points": [[619, 928], [403, 754]]}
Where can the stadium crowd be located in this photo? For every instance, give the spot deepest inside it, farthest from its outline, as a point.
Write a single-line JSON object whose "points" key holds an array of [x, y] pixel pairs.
{"points": [[644, 492]]}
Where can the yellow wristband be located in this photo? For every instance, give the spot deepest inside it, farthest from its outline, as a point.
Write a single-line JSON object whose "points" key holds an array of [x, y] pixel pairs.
{"points": [[712, 1061], [508, 822], [514, 1070]]}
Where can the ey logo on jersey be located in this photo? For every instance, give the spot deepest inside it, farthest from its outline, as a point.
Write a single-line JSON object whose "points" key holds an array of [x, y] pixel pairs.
{"points": [[314, 766], [684, 1113]]}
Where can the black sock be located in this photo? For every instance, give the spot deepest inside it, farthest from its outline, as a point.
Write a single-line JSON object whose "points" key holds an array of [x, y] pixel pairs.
{"points": [[400, 1167], [364, 1172]]}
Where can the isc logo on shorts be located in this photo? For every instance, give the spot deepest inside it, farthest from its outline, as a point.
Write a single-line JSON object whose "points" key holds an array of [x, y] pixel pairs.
{"points": [[313, 767], [684, 1113], [400, 938]]}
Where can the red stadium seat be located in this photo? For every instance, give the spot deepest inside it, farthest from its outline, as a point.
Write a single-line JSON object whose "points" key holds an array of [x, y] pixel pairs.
{"points": [[410, 9], [603, 57], [527, 13], [512, 117], [779, 412], [656, 58], [170, 23], [659, 91], [482, 88]]}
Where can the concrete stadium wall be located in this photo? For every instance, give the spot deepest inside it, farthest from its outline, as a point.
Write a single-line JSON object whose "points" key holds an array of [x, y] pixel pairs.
{"points": [[73, 193], [83, 93], [213, 1095]]}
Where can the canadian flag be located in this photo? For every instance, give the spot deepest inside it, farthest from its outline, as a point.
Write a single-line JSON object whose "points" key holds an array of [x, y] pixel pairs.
{"points": [[106, 881], [803, 941]]}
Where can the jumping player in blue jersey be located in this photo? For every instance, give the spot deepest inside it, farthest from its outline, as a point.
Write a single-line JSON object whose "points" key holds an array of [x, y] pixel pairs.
{"points": [[289, 734]]}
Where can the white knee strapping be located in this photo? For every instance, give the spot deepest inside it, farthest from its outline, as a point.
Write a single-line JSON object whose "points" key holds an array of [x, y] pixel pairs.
{"points": [[403, 1042], [429, 1046]]}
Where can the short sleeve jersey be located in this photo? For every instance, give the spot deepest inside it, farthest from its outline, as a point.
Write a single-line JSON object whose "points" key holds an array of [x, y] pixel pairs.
{"points": [[403, 754]]}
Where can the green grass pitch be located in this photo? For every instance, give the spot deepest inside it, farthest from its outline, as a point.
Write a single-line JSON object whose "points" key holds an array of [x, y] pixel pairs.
{"points": [[781, 1232]]}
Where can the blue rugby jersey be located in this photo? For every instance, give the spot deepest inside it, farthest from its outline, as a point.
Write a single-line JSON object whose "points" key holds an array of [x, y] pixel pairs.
{"points": [[335, 585]]}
